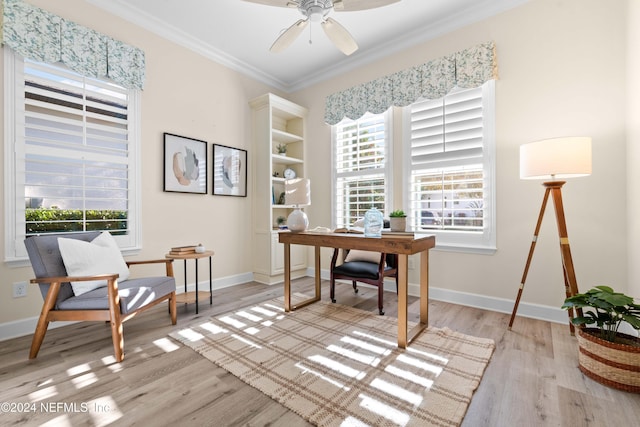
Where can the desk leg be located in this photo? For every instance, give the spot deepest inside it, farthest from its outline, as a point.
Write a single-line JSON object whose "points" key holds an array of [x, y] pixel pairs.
{"points": [[317, 273], [287, 277], [196, 261], [424, 303], [424, 288], [210, 284], [402, 299]]}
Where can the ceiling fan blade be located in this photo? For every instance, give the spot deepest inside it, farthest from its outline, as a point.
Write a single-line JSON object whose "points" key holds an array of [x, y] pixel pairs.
{"points": [[288, 36], [339, 36], [351, 5], [279, 3]]}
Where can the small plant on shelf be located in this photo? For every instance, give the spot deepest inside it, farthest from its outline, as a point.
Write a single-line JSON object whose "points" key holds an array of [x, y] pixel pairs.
{"points": [[398, 213], [281, 221], [282, 149]]}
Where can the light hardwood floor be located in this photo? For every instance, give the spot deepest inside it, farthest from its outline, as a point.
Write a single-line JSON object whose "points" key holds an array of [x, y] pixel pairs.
{"points": [[532, 379]]}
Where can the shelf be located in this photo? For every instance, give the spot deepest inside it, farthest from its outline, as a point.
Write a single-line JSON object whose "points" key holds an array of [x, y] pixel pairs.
{"points": [[284, 137], [285, 160], [283, 206]]}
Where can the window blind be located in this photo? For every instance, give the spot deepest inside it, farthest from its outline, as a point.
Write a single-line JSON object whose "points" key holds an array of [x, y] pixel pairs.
{"points": [[76, 151], [360, 159], [447, 171]]}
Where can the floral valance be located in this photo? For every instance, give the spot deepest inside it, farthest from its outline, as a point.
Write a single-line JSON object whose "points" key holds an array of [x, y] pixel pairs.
{"points": [[42, 36], [434, 79]]}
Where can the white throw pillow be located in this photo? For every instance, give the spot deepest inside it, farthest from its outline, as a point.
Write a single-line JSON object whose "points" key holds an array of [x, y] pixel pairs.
{"points": [[358, 255], [100, 256]]}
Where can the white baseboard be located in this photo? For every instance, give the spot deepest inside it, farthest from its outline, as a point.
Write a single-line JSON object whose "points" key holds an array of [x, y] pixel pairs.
{"points": [[22, 327], [534, 311]]}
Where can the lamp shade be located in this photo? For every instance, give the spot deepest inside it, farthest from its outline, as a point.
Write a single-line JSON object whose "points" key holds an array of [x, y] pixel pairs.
{"points": [[297, 192], [555, 158]]}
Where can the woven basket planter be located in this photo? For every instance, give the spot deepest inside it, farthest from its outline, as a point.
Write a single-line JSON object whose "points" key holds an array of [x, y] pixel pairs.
{"points": [[615, 365]]}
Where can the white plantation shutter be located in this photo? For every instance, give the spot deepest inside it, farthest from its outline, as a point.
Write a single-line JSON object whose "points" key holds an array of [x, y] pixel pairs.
{"points": [[75, 151], [450, 156], [447, 132], [361, 155]]}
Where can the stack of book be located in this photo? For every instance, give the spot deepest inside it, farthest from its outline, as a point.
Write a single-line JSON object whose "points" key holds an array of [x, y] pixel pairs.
{"points": [[183, 250]]}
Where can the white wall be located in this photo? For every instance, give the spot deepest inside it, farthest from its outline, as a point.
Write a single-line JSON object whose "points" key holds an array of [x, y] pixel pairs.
{"points": [[633, 147], [561, 72]]}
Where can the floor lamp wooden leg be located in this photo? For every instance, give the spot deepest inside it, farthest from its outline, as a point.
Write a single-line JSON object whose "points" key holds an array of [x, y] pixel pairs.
{"points": [[569, 275], [531, 249]]}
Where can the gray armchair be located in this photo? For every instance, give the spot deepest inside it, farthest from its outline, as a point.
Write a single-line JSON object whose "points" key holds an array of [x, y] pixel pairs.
{"points": [[114, 303]]}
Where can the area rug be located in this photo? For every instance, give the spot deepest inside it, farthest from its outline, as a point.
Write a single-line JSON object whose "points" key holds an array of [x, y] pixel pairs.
{"points": [[336, 365]]}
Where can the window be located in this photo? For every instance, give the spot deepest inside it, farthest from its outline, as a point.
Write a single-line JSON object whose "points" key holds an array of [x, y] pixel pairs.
{"points": [[451, 167], [361, 158], [70, 147]]}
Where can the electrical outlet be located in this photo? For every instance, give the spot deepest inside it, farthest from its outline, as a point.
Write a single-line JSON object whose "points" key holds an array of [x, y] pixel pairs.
{"points": [[20, 289]]}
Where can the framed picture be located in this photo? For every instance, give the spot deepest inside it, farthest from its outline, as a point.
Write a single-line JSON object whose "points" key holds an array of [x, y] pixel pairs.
{"points": [[229, 171], [185, 164]]}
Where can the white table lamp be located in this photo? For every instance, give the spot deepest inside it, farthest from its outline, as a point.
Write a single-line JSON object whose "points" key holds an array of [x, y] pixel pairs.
{"points": [[552, 159], [297, 193]]}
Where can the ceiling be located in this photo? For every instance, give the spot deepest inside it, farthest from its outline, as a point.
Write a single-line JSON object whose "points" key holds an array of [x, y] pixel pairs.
{"points": [[238, 34]]}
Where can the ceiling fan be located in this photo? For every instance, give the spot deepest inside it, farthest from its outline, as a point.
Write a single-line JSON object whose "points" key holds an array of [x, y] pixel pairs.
{"points": [[317, 11]]}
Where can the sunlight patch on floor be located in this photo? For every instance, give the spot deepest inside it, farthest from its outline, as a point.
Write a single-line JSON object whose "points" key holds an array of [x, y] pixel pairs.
{"points": [[191, 335], [166, 345], [308, 370], [338, 367], [379, 408], [246, 341], [409, 376], [358, 357]]}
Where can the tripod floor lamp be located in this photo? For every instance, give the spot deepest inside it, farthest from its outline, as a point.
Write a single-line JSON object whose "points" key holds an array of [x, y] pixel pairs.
{"points": [[554, 159]]}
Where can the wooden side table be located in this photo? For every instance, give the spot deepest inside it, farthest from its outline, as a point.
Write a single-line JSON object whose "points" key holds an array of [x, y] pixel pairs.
{"points": [[189, 297]]}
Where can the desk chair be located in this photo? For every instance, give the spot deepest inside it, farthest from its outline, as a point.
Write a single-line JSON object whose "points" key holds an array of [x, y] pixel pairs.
{"points": [[366, 267]]}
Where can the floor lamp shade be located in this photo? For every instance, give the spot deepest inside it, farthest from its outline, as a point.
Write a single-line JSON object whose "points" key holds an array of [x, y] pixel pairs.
{"points": [[297, 193], [556, 158]]}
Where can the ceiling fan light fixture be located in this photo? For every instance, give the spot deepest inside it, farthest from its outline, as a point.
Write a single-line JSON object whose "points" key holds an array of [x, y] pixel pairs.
{"points": [[316, 13]]}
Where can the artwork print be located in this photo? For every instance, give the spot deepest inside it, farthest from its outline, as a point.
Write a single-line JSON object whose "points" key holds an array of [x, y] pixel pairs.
{"points": [[185, 164], [229, 171]]}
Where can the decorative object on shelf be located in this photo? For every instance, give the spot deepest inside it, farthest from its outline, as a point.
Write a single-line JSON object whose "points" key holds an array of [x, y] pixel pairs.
{"points": [[398, 220], [281, 222], [281, 199], [276, 174], [373, 223], [606, 355], [229, 171], [282, 149], [185, 164], [555, 158], [289, 173], [298, 193], [200, 248]]}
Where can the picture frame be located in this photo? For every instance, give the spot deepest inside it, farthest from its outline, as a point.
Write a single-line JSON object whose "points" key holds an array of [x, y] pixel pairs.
{"points": [[185, 164], [229, 171]]}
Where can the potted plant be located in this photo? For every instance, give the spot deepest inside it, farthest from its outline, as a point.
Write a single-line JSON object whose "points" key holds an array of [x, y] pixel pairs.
{"points": [[398, 220], [282, 149], [606, 354], [281, 221]]}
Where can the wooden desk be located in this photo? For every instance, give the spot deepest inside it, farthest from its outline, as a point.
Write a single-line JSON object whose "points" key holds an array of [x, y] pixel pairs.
{"points": [[402, 244], [189, 297]]}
